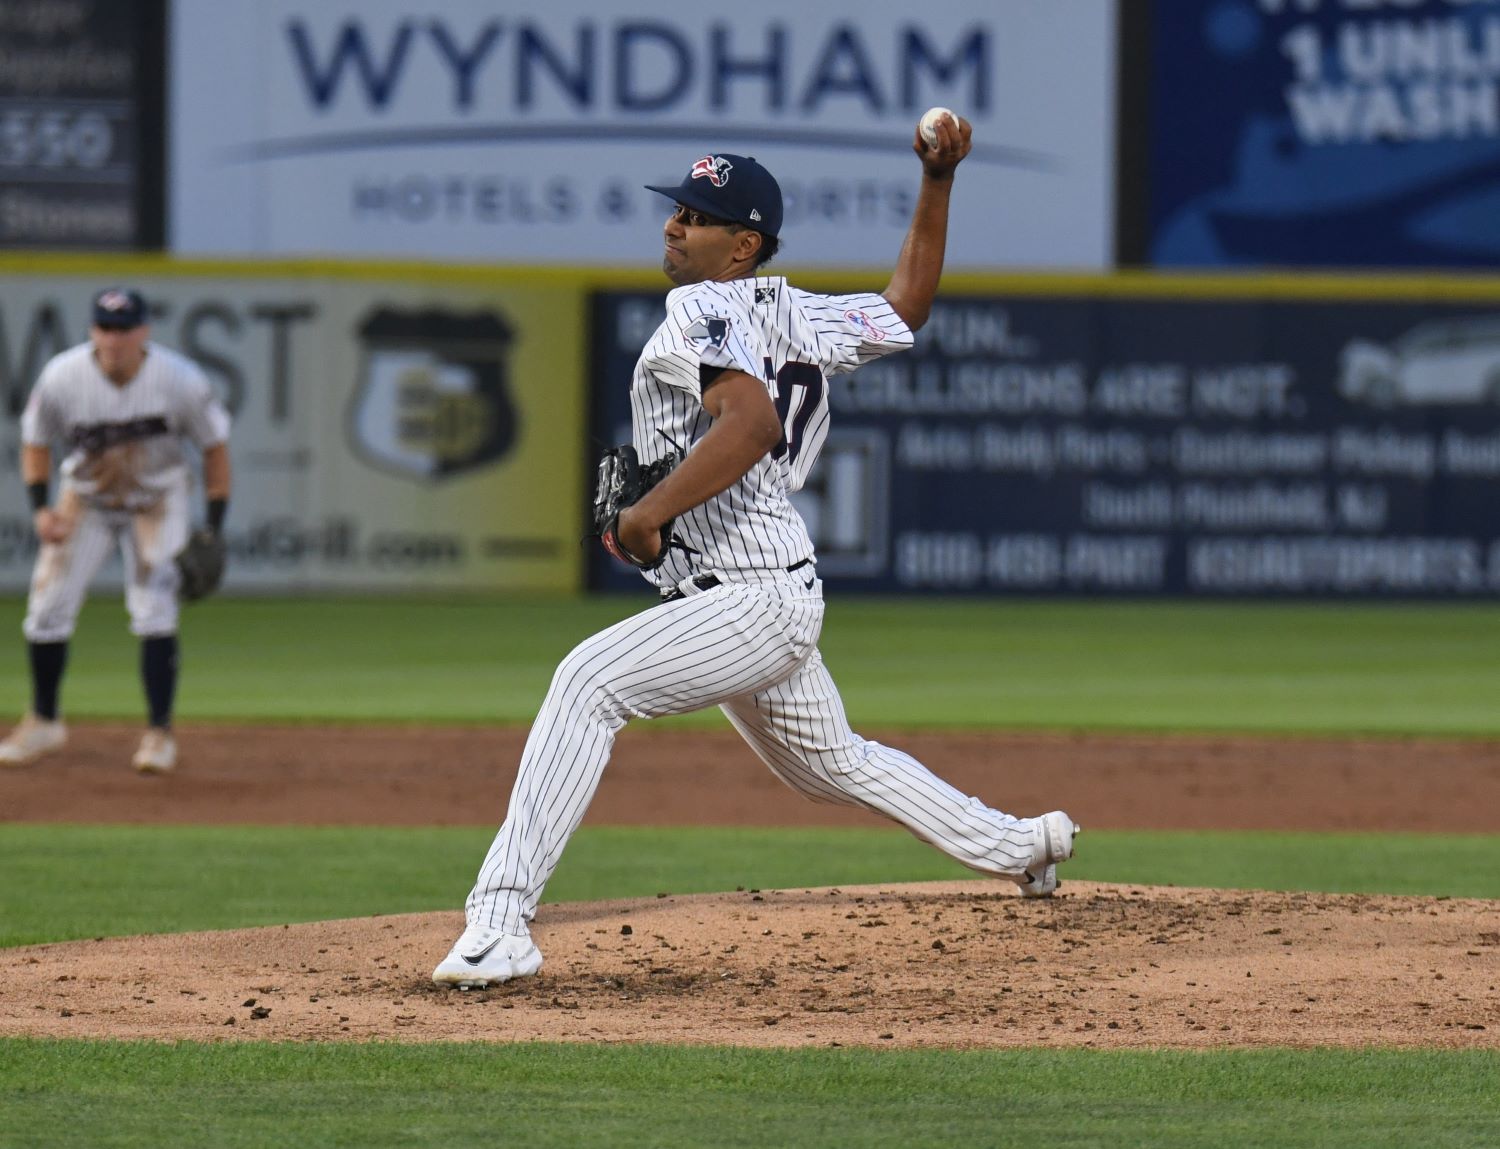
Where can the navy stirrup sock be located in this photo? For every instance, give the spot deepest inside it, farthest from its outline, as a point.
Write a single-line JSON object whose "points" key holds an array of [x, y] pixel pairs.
{"points": [[159, 674], [48, 660]]}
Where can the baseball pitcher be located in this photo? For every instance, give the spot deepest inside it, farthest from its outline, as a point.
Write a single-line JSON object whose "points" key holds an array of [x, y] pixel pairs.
{"points": [[124, 407], [729, 409]]}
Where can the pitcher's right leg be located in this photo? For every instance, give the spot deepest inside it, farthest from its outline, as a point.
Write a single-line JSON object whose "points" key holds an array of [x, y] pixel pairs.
{"points": [[798, 728]]}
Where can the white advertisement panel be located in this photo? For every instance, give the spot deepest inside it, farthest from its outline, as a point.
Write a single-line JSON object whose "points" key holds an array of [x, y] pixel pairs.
{"points": [[390, 432], [464, 130]]}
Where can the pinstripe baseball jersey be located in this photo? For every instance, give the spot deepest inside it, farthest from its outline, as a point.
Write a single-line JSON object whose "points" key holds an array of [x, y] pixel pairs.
{"points": [[795, 340], [125, 444]]}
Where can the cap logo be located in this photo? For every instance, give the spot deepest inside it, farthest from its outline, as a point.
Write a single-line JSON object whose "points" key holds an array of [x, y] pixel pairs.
{"points": [[114, 301], [755, 215], [715, 169]]}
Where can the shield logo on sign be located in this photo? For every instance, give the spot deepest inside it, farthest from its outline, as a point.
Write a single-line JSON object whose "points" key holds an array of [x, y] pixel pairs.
{"points": [[433, 399]]}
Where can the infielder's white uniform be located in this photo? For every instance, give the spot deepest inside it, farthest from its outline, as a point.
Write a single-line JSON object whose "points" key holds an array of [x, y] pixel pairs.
{"points": [[125, 482], [740, 629]]}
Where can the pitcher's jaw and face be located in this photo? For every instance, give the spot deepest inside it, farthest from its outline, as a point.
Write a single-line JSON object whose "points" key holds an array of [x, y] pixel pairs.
{"points": [[701, 247]]}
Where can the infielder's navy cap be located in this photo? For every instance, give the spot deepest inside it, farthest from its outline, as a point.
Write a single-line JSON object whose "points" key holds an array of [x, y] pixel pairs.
{"points": [[731, 187], [120, 308]]}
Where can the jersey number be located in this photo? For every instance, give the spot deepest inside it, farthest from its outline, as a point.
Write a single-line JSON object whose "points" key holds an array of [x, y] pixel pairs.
{"points": [[799, 391]]}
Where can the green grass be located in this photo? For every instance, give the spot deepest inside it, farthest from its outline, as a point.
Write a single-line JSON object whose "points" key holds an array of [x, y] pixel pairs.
{"points": [[1324, 669], [1328, 669], [1256, 667], [65, 882], [76, 881], [543, 1095]]}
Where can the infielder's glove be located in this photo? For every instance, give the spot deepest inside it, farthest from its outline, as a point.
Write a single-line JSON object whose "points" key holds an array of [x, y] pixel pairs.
{"points": [[623, 481], [200, 565]]}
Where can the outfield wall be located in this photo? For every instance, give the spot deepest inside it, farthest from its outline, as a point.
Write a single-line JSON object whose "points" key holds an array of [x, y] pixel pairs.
{"points": [[1259, 437], [524, 134], [1346, 133], [407, 427], [394, 429]]}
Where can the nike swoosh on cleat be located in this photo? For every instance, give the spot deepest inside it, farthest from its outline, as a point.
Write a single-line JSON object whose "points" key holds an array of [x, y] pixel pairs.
{"points": [[479, 957]]}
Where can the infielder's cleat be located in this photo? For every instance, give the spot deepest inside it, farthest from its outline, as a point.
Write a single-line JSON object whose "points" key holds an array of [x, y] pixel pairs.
{"points": [[485, 956], [157, 753], [31, 739], [1054, 843]]}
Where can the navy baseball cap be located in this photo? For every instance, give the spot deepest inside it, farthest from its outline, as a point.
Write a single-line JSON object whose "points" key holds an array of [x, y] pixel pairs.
{"points": [[120, 308], [731, 187]]}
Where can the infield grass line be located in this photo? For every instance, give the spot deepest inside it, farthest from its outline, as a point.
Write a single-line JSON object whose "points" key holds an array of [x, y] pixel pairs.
{"points": [[128, 1094], [69, 882], [1337, 669]]}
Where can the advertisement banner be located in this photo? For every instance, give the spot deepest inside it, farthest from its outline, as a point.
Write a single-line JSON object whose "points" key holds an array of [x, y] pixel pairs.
{"points": [[466, 131], [1107, 445], [71, 82], [390, 433], [1355, 133]]}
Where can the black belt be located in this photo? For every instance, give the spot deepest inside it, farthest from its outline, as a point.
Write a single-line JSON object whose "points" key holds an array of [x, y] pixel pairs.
{"points": [[709, 581]]}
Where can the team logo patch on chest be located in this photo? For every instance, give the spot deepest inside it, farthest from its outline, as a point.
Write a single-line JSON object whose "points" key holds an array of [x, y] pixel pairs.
{"points": [[710, 329], [96, 437], [434, 398]]}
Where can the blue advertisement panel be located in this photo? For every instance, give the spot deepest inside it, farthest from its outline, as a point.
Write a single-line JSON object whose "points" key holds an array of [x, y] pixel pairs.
{"points": [[1148, 447], [80, 124], [1350, 133]]}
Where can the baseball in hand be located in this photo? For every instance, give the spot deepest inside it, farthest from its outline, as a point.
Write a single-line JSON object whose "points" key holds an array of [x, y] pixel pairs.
{"points": [[928, 126]]}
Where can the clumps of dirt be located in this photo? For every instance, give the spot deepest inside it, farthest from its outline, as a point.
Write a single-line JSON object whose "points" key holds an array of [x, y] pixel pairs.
{"points": [[959, 965]]}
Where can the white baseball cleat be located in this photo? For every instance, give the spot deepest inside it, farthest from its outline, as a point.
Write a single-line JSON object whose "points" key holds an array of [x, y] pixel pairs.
{"points": [[1044, 885], [485, 956], [31, 739], [157, 753], [1054, 843]]}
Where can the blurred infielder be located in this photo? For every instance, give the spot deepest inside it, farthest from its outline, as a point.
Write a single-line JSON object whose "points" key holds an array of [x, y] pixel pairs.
{"points": [[124, 407], [736, 377]]}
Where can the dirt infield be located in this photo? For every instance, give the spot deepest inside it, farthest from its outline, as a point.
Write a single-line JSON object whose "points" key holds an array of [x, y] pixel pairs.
{"points": [[408, 776], [941, 964]]}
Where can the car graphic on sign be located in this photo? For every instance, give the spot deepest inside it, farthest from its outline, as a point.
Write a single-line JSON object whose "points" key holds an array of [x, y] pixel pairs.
{"points": [[1444, 361]]}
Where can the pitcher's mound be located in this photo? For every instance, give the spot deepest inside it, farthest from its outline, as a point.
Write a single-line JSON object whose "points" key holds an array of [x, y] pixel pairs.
{"points": [[955, 964]]}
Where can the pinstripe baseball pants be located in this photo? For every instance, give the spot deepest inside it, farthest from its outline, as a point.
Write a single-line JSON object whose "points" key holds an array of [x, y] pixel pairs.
{"points": [[148, 539], [748, 646]]}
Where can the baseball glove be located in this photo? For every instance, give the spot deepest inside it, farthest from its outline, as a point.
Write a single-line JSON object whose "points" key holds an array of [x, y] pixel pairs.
{"points": [[623, 481], [200, 565]]}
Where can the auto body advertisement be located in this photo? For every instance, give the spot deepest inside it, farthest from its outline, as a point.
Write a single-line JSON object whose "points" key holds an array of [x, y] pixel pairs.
{"points": [[1349, 133], [1077, 446], [471, 131], [390, 434]]}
